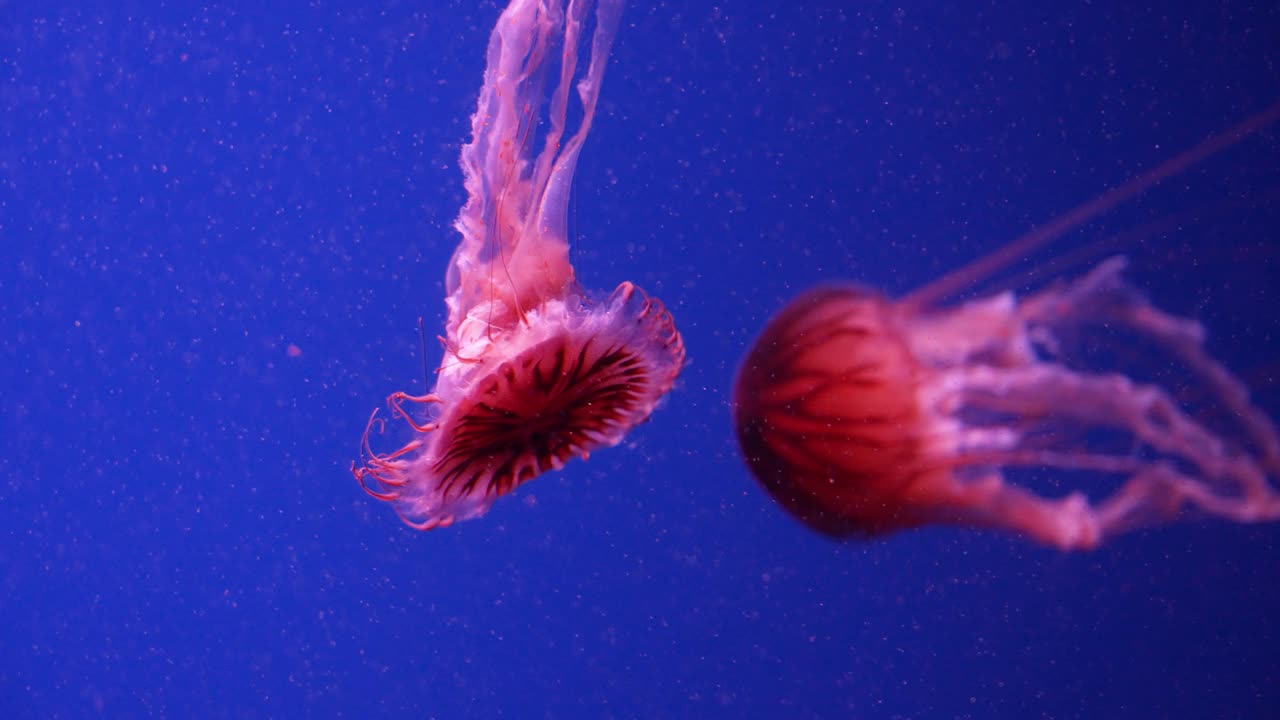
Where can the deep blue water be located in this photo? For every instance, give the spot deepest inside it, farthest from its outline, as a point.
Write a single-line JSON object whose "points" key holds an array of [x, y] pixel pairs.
{"points": [[185, 192]]}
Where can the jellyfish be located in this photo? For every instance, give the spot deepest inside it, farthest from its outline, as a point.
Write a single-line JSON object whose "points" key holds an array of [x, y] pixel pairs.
{"points": [[862, 415], [536, 370]]}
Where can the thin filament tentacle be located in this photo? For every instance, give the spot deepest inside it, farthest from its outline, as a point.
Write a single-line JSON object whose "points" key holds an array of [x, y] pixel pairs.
{"points": [[1038, 237]]}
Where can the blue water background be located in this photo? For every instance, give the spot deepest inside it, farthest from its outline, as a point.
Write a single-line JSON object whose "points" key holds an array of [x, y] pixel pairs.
{"points": [[186, 191]]}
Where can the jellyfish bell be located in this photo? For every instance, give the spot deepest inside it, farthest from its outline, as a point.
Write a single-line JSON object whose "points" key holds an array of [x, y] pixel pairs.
{"points": [[536, 370], [811, 435], [569, 380], [863, 415]]}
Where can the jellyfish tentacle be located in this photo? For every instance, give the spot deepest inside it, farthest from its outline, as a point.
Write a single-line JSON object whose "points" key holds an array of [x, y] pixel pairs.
{"points": [[400, 395], [1185, 339], [1039, 236], [1226, 483], [1067, 523], [360, 474], [559, 105], [396, 401], [1160, 491], [428, 524], [552, 213], [1034, 457], [1103, 295], [387, 469], [452, 349], [1081, 299]]}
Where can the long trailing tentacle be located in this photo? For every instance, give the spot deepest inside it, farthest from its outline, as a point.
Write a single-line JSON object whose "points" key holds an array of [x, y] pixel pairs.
{"points": [[1038, 237]]}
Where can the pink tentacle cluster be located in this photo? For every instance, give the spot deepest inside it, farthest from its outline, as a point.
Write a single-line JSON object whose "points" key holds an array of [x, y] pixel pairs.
{"points": [[387, 470]]}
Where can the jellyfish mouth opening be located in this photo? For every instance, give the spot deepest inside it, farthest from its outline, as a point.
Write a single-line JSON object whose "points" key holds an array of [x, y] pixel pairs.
{"points": [[565, 396]]}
